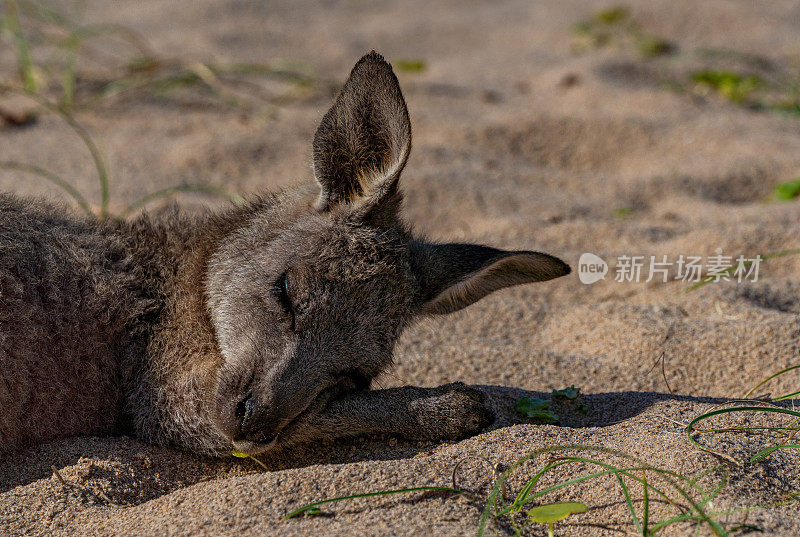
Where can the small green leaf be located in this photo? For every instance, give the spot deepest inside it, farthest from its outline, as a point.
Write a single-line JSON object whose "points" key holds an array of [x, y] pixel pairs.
{"points": [[582, 28], [788, 190], [411, 65], [733, 86], [612, 15], [555, 512], [143, 64], [528, 404], [650, 46], [242, 455], [536, 409], [785, 106], [544, 416], [622, 212], [567, 393]]}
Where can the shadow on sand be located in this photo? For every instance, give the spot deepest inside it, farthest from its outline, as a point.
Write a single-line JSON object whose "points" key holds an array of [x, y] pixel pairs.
{"points": [[138, 472]]}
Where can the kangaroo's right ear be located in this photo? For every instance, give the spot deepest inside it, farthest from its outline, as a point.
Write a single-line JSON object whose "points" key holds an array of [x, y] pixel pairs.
{"points": [[363, 142], [453, 276]]}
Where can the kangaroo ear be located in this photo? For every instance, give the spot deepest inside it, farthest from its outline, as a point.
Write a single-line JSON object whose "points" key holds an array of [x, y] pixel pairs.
{"points": [[364, 140], [453, 276]]}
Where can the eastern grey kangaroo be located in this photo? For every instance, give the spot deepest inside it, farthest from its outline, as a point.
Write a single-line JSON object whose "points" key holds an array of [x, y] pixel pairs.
{"points": [[252, 328]]}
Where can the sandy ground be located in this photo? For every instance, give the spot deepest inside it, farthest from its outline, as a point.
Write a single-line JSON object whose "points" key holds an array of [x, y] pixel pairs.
{"points": [[520, 142]]}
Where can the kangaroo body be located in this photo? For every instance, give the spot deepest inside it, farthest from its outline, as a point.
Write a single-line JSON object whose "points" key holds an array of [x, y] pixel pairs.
{"points": [[101, 331], [252, 328]]}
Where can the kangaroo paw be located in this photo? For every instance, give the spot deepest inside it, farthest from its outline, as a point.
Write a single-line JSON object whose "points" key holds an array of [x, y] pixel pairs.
{"points": [[451, 412]]}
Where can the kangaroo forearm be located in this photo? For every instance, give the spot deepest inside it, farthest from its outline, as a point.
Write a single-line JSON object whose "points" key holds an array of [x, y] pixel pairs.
{"points": [[393, 410], [450, 411]]}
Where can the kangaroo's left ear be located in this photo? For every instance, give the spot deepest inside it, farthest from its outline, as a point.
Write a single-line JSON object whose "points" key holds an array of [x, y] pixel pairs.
{"points": [[363, 142], [453, 276]]}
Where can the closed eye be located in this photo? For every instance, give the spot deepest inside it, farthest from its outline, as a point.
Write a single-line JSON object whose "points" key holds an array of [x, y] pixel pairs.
{"points": [[281, 291]]}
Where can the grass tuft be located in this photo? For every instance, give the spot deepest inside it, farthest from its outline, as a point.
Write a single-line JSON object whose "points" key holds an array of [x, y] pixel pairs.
{"points": [[615, 26], [733, 86], [689, 503], [650, 46], [71, 46], [145, 72], [612, 15], [690, 429]]}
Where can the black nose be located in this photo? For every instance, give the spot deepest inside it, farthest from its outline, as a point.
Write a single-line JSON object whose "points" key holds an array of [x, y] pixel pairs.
{"points": [[256, 422], [245, 409]]}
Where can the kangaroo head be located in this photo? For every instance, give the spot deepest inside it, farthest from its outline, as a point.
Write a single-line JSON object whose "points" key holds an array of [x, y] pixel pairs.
{"points": [[308, 298]]}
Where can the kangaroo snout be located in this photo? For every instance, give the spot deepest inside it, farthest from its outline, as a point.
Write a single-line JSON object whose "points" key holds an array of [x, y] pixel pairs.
{"points": [[261, 417], [259, 424]]}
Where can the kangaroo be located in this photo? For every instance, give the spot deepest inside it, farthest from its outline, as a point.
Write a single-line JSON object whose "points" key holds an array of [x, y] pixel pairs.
{"points": [[253, 328]]}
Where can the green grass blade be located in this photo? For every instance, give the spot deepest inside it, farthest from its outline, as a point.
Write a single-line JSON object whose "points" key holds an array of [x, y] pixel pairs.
{"points": [[706, 415], [746, 428], [525, 490], [39, 11], [171, 191], [784, 397], [88, 141], [788, 190], [697, 507], [69, 77], [116, 31], [629, 502], [769, 378], [49, 176], [610, 471], [793, 498], [645, 509], [668, 477], [691, 516], [312, 505], [24, 62], [764, 453]]}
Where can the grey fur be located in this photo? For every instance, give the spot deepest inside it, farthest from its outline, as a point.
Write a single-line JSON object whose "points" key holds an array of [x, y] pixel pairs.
{"points": [[255, 328]]}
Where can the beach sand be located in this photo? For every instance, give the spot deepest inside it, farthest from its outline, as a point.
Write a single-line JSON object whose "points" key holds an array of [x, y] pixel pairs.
{"points": [[520, 141]]}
